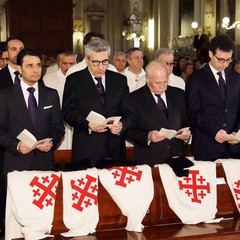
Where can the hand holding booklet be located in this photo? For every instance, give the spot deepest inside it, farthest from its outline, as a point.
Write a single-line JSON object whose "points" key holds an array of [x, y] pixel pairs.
{"points": [[170, 133], [95, 117], [26, 137], [236, 137]]}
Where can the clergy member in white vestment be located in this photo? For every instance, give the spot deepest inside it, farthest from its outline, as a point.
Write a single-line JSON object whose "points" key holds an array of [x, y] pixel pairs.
{"points": [[57, 80], [135, 73], [166, 55]]}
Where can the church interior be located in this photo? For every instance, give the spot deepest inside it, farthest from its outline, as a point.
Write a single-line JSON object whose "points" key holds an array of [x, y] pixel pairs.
{"points": [[184, 26], [149, 24]]}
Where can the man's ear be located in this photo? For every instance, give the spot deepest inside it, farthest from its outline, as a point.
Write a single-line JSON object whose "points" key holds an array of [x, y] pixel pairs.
{"points": [[147, 79], [19, 68], [210, 54]]}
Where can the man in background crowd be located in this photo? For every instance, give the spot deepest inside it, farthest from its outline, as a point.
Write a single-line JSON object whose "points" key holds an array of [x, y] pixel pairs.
{"points": [[166, 55], [135, 73], [9, 76], [56, 80], [120, 61], [237, 67], [3, 55]]}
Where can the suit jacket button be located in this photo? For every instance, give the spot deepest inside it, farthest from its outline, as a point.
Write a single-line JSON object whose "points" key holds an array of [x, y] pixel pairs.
{"points": [[224, 124]]}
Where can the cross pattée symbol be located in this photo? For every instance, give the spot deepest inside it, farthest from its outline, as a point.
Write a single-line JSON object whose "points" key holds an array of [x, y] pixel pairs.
{"points": [[195, 186], [237, 192], [84, 192], [126, 175], [44, 190]]}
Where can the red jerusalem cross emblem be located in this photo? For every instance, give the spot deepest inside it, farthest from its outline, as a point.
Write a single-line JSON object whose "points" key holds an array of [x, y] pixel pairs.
{"points": [[44, 190], [84, 192], [125, 175], [195, 186], [237, 192]]}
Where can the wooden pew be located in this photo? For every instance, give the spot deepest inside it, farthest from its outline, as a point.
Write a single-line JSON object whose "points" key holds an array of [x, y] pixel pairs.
{"points": [[160, 222]]}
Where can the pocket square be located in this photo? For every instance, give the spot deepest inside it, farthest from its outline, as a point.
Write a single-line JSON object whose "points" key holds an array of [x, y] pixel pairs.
{"points": [[46, 107]]}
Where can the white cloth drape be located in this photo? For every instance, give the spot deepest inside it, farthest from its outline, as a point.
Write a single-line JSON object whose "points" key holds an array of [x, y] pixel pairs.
{"points": [[30, 204], [192, 198], [80, 202], [132, 190]]}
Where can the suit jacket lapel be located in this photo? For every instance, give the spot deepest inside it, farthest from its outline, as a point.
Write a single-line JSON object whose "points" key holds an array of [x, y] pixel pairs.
{"points": [[109, 89], [18, 94], [151, 103], [41, 101], [93, 89], [212, 82], [229, 86], [171, 108]]}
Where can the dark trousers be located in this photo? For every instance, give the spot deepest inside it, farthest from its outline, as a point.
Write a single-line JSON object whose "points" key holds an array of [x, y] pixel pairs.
{"points": [[2, 193]]}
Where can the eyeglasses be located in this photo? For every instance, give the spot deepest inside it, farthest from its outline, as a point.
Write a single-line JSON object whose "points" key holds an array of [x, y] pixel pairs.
{"points": [[97, 63], [222, 60], [170, 64], [4, 59]]}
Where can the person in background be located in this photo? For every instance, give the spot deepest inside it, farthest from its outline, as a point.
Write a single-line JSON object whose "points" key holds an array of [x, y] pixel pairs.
{"points": [[134, 72], [150, 146], [120, 61], [3, 55], [197, 65], [213, 103], [95, 88], [187, 71], [83, 64], [201, 43], [237, 67], [56, 80], [179, 66], [51, 63], [9, 76], [166, 55]]}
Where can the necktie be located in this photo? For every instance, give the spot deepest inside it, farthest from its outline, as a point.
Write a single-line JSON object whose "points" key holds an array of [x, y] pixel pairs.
{"points": [[100, 88], [162, 107], [222, 85], [32, 104], [16, 79]]}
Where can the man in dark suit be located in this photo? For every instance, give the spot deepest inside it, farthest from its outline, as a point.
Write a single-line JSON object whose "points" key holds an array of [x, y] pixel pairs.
{"points": [[151, 146], [7, 76], [213, 103], [7, 79], [15, 117], [97, 89]]}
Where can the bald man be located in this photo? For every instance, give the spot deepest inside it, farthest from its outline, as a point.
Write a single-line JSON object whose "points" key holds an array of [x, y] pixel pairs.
{"points": [[151, 146]]}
